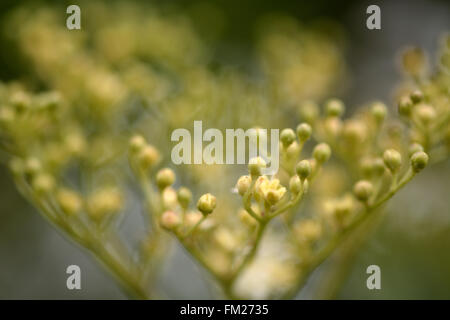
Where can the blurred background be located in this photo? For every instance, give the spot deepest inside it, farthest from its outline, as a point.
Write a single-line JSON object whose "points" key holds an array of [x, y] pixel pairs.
{"points": [[412, 244]]}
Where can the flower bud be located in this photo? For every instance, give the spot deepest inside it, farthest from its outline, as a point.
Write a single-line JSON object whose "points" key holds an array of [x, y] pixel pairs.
{"points": [[192, 218], [184, 196], [69, 201], [413, 148], [137, 143], [104, 202], [295, 185], [169, 198], [363, 190], [379, 111], [304, 131], [322, 152], [425, 113], [413, 61], [243, 184], [303, 169], [169, 220], [206, 204], [419, 160], [378, 167], [392, 159], [256, 165], [287, 136], [43, 183], [416, 96], [334, 108], [405, 106], [308, 230], [148, 157], [32, 166], [164, 178]]}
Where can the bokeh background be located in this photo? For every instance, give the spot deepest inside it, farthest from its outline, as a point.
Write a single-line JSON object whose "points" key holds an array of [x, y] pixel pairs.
{"points": [[412, 244]]}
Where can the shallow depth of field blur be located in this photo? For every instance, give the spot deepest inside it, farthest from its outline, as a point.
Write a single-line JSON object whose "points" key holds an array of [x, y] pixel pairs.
{"points": [[345, 59]]}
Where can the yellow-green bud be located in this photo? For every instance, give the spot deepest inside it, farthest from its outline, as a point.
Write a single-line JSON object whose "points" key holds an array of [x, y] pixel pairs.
{"points": [[256, 165], [363, 190], [137, 143], [287, 136], [304, 131], [43, 183], [334, 108], [32, 166], [425, 113], [405, 106], [69, 201], [322, 152], [413, 148], [103, 202], [164, 178], [378, 167], [303, 169], [148, 157], [419, 160], [243, 184], [295, 185], [392, 159], [416, 96], [206, 204], [184, 197], [169, 220], [379, 111]]}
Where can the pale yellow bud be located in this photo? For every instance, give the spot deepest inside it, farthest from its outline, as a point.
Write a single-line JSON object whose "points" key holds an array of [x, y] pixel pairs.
{"points": [[243, 184], [69, 201], [206, 204], [164, 178], [169, 220]]}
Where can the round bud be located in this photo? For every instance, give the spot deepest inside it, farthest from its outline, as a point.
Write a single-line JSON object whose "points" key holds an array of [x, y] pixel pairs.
{"points": [[206, 204], [169, 220], [43, 183], [378, 167], [69, 201], [295, 185], [405, 106], [255, 166], [392, 159], [379, 111], [416, 96], [419, 160], [104, 202], [164, 178], [322, 152], [303, 169], [136, 143], [413, 148], [184, 197], [32, 166], [273, 196], [363, 190], [425, 113], [304, 131], [243, 184], [148, 157], [334, 108], [287, 136]]}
